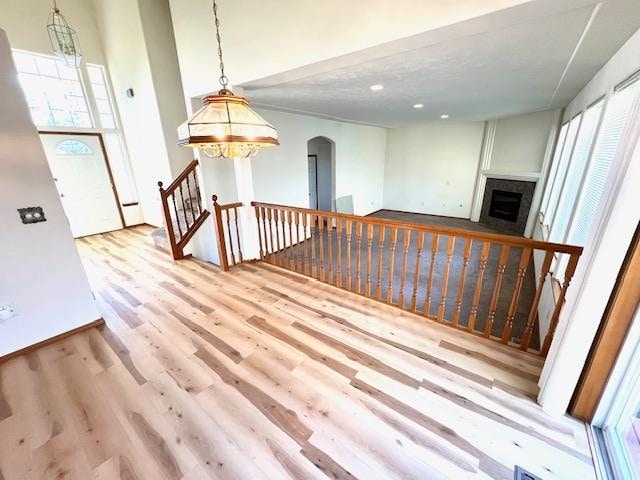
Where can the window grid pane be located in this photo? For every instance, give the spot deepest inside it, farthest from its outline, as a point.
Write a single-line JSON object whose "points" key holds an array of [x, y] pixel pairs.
{"points": [[54, 92], [102, 97]]}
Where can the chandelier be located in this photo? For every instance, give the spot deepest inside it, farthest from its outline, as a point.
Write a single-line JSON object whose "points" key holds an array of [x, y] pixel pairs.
{"points": [[225, 126], [64, 39]]}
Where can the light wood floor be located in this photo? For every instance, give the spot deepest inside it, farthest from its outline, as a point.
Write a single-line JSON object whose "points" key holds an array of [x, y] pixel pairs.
{"points": [[262, 374]]}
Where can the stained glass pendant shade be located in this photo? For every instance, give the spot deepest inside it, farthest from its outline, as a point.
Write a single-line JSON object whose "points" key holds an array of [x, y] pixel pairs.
{"points": [[225, 126], [64, 39]]}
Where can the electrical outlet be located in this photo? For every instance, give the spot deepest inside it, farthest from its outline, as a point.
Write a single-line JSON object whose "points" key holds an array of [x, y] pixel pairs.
{"points": [[6, 312], [32, 215]]}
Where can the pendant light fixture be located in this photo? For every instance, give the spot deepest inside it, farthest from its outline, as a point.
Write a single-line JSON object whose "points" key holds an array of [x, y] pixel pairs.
{"points": [[64, 39], [225, 126]]}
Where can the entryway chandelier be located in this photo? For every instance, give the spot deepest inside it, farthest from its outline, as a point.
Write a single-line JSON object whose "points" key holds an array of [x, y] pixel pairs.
{"points": [[225, 126], [64, 39]]}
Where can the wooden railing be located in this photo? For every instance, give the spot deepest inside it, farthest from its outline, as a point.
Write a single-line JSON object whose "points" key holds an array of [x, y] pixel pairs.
{"points": [[228, 233], [482, 283], [182, 209]]}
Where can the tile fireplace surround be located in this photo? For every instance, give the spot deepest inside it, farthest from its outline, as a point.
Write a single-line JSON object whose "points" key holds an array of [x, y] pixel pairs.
{"points": [[526, 188]]}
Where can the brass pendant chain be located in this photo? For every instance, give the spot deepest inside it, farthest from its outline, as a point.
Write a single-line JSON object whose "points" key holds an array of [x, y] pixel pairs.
{"points": [[224, 81]]}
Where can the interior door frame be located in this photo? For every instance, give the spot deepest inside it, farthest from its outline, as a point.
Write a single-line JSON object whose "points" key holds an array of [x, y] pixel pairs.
{"points": [[317, 207], [106, 162]]}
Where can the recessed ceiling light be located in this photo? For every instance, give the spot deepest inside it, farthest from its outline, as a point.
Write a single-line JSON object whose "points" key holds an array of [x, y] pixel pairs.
{"points": [[444, 116], [418, 105], [377, 87]]}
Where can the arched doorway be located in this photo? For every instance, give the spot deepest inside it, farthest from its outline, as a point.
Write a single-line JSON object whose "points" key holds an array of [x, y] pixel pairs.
{"points": [[320, 155]]}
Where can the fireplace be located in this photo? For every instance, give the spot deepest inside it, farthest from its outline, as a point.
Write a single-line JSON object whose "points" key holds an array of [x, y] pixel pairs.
{"points": [[506, 204]]}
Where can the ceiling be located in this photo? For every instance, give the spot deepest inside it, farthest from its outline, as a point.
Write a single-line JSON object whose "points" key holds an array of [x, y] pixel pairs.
{"points": [[484, 68]]}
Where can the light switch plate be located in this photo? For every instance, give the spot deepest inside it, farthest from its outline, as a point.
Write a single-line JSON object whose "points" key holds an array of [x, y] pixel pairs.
{"points": [[32, 215]]}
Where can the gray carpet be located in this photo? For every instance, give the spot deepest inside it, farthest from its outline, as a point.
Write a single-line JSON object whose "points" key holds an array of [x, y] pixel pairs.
{"points": [[450, 299]]}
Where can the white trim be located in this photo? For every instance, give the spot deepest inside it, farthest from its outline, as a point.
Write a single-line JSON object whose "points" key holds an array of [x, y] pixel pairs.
{"points": [[511, 175], [485, 161]]}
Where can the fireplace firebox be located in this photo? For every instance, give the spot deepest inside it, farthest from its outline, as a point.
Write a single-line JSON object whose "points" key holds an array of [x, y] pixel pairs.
{"points": [[505, 205]]}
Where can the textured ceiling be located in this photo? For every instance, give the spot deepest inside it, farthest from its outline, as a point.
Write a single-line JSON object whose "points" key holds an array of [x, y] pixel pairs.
{"points": [[529, 65]]}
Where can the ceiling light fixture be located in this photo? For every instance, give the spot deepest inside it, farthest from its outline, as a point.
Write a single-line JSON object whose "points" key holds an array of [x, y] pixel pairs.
{"points": [[444, 116], [376, 88], [225, 126], [64, 39], [418, 105]]}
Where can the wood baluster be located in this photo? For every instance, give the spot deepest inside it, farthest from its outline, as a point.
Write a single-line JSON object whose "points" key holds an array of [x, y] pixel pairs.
{"points": [[312, 230], [502, 264], [220, 240], [278, 218], [348, 226], [267, 249], [568, 275], [392, 255], [463, 276], [330, 248], [198, 197], [272, 253], [533, 313], [339, 235], [175, 209], [257, 211], [381, 229], [416, 275], [406, 243], [292, 259], [298, 253], [168, 223], [473, 316], [307, 269], [451, 245], [321, 241], [284, 252], [434, 251], [184, 208], [230, 237], [235, 218], [522, 269], [369, 243], [193, 215], [359, 257]]}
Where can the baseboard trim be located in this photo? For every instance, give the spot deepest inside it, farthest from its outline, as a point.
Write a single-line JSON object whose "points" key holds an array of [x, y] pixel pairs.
{"points": [[96, 323]]}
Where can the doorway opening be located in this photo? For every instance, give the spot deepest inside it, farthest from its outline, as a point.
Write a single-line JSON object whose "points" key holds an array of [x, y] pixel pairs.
{"points": [[320, 157], [83, 177]]}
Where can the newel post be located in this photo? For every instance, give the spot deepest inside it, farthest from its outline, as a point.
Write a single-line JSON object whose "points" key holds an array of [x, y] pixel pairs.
{"points": [[219, 232]]}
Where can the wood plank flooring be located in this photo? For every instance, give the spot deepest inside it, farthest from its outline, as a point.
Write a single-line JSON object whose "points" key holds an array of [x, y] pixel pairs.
{"points": [[259, 373]]}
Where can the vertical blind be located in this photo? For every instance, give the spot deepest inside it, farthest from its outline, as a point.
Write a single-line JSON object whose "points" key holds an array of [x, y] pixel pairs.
{"points": [[558, 181], [613, 127], [554, 168], [575, 172]]}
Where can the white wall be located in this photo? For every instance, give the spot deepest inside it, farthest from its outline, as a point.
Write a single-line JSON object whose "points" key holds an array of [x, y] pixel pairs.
{"points": [[41, 273], [128, 61], [432, 168], [280, 173], [520, 142]]}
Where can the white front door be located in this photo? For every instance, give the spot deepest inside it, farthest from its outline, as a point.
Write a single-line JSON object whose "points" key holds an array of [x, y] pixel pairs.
{"points": [[79, 169]]}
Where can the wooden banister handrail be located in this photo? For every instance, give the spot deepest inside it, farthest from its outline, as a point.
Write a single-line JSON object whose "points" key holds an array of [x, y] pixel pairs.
{"points": [[482, 283], [187, 212], [457, 232], [174, 185]]}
